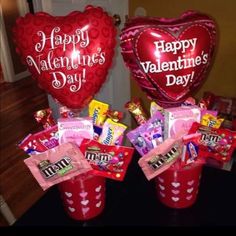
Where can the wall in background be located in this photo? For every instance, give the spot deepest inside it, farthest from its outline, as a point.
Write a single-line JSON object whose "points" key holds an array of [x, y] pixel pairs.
{"points": [[221, 79], [10, 13]]}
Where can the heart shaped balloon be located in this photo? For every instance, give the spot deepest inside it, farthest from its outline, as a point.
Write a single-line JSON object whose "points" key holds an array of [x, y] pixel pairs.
{"points": [[69, 55], [169, 58]]}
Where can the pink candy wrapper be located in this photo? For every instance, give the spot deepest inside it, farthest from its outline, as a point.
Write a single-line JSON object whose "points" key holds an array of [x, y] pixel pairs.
{"points": [[178, 120], [111, 132], [58, 164], [75, 129], [161, 158]]}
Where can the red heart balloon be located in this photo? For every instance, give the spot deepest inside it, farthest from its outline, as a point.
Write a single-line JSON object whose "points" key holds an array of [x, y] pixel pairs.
{"points": [[169, 58], [69, 55]]}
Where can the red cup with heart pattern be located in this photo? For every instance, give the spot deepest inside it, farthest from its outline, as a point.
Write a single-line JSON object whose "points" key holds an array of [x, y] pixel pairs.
{"points": [[83, 196], [178, 187]]}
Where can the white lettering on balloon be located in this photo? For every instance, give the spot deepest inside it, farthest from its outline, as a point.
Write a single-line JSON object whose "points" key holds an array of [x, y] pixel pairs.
{"points": [[185, 61], [72, 58]]}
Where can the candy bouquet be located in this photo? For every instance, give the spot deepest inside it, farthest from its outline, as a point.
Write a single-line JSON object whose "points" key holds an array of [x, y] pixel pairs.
{"points": [[69, 57], [175, 142], [78, 153], [169, 59]]}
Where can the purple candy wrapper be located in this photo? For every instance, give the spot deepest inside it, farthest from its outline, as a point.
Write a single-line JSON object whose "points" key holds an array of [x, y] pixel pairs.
{"points": [[148, 135]]}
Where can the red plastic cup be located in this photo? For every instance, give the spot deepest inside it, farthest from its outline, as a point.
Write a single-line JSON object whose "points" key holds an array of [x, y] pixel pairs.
{"points": [[83, 196], [178, 188]]}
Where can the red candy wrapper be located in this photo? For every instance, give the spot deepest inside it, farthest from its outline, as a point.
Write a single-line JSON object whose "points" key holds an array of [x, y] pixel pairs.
{"points": [[207, 100], [40, 142], [45, 118], [215, 143], [136, 109], [107, 160], [31, 145], [116, 116]]}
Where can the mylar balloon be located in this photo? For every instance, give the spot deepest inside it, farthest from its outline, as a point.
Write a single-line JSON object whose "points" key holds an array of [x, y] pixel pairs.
{"points": [[169, 58], [69, 55]]}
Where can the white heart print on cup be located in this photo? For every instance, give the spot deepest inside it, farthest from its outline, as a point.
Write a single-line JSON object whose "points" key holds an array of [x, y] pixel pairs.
{"points": [[175, 184], [83, 194], [99, 204], [98, 189], [190, 190], [68, 194], [175, 191], [85, 210], [190, 182], [69, 201], [84, 202], [98, 196], [71, 209], [161, 187], [162, 194], [189, 197], [160, 179], [175, 199]]}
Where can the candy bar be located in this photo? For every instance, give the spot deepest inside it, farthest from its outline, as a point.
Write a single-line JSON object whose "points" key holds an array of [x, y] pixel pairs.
{"points": [[211, 121], [58, 164], [98, 110], [178, 120], [109, 161], [111, 132], [136, 109], [148, 135], [45, 118], [75, 129], [160, 158], [215, 143]]}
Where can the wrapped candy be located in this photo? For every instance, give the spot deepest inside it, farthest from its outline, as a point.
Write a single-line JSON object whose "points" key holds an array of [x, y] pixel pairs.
{"points": [[45, 118], [98, 110], [161, 158], [178, 120], [148, 135], [190, 101], [66, 112], [211, 121], [215, 143], [211, 112], [115, 116], [31, 145], [190, 151], [111, 132], [109, 161], [57, 164], [75, 129], [207, 100], [40, 142], [97, 132], [138, 141], [136, 109], [154, 108]]}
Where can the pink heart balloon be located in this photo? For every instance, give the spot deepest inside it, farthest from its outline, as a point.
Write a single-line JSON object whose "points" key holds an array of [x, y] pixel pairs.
{"points": [[69, 56], [169, 58]]}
